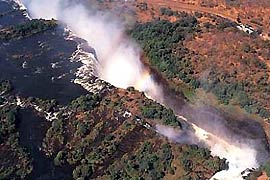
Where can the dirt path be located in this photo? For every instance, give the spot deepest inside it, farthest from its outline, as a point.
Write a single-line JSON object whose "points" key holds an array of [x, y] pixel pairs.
{"points": [[180, 6], [188, 7]]}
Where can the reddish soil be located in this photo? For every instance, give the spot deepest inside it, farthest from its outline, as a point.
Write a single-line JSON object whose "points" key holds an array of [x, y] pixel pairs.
{"points": [[263, 177], [244, 13]]}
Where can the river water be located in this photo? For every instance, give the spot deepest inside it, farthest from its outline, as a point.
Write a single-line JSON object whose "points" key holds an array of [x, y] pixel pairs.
{"points": [[38, 66], [32, 130], [47, 71]]}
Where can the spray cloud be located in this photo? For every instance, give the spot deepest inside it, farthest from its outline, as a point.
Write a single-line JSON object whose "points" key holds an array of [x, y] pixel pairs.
{"points": [[119, 64], [118, 56], [241, 154]]}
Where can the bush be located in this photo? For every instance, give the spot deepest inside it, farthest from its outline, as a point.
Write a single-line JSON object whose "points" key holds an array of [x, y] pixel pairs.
{"points": [[153, 110], [163, 43], [87, 102], [82, 129], [27, 29], [60, 158], [82, 171], [166, 11], [5, 87]]}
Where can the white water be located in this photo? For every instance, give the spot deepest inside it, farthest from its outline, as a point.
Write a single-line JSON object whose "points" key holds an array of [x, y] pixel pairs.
{"points": [[239, 156], [120, 65]]}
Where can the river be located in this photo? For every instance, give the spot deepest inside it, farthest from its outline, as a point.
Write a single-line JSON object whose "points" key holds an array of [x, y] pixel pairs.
{"points": [[38, 66]]}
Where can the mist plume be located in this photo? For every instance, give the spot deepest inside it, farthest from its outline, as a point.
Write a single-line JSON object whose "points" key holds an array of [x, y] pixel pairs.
{"points": [[118, 55], [119, 63]]}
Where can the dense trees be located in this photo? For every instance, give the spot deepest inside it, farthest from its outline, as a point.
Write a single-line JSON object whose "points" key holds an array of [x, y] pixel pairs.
{"points": [[146, 163], [60, 158], [152, 110], [228, 88], [153, 161], [82, 171], [5, 87], [163, 43], [193, 157], [29, 28], [15, 162], [8, 122], [167, 12], [87, 102], [44, 105]]}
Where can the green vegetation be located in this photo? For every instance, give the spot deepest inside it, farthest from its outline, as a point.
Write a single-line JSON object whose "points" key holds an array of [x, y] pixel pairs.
{"points": [[87, 102], [146, 163], [5, 87], [153, 110], [223, 24], [2, 100], [266, 168], [164, 11], [94, 137], [162, 42], [8, 117], [44, 105], [57, 137], [82, 171], [15, 162], [227, 91], [156, 163], [27, 29], [193, 158], [167, 12]]}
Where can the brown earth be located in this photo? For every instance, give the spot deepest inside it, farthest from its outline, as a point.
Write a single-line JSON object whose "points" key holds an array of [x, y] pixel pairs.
{"points": [[263, 177], [256, 14]]}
